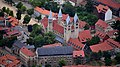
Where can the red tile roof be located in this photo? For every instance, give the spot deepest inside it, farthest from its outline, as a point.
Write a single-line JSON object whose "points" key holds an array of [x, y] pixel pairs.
{"points": [[102, 24], [78, 53], [111, 33], [44, 21], [110, 3], [100, 34], [9, 61], [2, 18], [58, 27], [84, 35], [82, 24], [27, 52], [101, 47], [111, 41], [14, 32], [52, 45], [102, 8], [43, 11], [76, 42]]}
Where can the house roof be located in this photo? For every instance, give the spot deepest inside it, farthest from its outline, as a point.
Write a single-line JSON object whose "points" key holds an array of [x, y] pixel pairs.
{"points": [[87, 66], [52, 51], [78, 53], [58, 27], [27, 52], [82, 24], [102, 24], [2, 18], [115, 43], [84, 35], [111, 33], [9, 61], [52, 45], [101, 47], [18, 44], [44, 21], [110, 3], [100, 34], [76, 42], [102, 8], [43, 11]]}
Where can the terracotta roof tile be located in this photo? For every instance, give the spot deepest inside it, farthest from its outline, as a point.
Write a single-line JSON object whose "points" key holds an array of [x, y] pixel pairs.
{"points": [[27, 52], [43, 11], [101, 47], [110, 3], [44, 21], [82, 24], [58, 27], [102, 8], [78, 53], [84, 35], [52, 45], [102, 24]]}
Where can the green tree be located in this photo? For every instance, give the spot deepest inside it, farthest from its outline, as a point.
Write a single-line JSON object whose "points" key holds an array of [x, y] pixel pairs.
{"points": [[116, 25], [108, 62], [27, 19], [62, 63], [38, 18], [78, 60], [18, 14], [117, 58], [23, 9], [1, 14], [7, 10], [118, 37], [93, 41], [47, 65], [4, 9], [30, 11], [19, 5], [89, 6], [11, 13]]}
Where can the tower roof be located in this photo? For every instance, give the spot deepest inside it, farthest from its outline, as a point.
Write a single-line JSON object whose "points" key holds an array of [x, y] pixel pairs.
{"points": [[75, 18], [68, 20], [60, 13], [50, 15]]}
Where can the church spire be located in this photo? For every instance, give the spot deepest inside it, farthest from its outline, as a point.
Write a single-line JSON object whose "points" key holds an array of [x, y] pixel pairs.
{"points": [[50, 15], [75, 18], [60, 13], [68, 20]]}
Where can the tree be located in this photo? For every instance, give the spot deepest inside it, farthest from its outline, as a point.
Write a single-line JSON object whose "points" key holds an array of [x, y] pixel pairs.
{"points": [[93, 41], [4, 9], [27, 19], [62, 63], [23, 9], [19, 5], [1, 14], [89, 6], [38, 18], [116, 25], [7, 10], [11, 13], [106, 55], [19, 14], [117, 58], [30, 11], [47, 65], [68, 9], [78, 60], [108, 62], [118, 37]]}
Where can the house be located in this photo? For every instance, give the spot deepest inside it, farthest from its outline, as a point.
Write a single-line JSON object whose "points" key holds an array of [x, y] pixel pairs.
{"points": [[102, 26], [41, 11], [27, 57], [104, 46], [104, 12], [9, 61], [52, 45], [52, 55], [17, 45], [114, 5], [59, 1], [87, 66]]}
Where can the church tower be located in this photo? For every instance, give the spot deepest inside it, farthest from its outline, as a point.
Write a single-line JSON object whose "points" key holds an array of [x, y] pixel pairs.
{"points": [[76, 26], [67, 29], [50, 20], [60, 16]]}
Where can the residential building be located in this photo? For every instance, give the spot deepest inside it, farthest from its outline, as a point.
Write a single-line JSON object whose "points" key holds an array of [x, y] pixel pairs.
{"points": [[27, 57], [78, 2], [9, 61], [104, 12], [52, 55], [87, 66], [113, 4]]}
